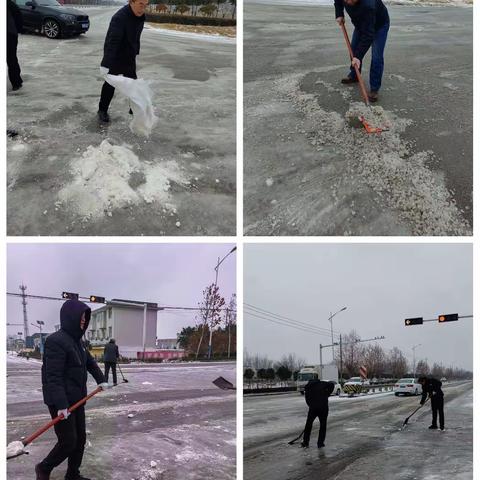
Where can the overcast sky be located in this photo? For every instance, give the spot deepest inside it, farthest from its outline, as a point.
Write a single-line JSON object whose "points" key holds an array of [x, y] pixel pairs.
{"points": [[380, 285], [164, 273]]}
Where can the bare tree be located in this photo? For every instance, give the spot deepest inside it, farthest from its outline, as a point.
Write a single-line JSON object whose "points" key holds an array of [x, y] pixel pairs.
{"points": [[374, 359], [397, 363], [352, 353], [423, 368]]}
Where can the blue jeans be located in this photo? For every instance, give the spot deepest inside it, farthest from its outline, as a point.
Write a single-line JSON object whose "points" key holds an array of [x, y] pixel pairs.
{"points": [[378, 47]]}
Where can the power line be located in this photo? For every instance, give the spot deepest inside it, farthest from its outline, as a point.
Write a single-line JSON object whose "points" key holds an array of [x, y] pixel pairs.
{"points": [[277, 316]]}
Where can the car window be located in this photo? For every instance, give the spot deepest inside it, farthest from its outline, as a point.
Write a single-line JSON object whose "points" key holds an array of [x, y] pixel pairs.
{"points": [[50, 3], [21, 3]]}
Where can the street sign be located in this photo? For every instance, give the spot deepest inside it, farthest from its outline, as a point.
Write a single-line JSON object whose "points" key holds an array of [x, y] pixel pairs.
{"points": [[413, 321], [450, 317], [363, 372], [70, 296]]}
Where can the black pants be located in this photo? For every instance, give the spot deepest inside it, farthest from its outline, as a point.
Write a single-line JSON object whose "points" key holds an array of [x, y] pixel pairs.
{"points": [[71, 437], [322, 415], [113, 366], [437, 410], [12, 61], [108, 91]]}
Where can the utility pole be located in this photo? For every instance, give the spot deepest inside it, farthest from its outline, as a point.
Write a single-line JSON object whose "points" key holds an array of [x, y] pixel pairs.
{"points": [[341, 361], [321, 360], [330, 319], [26, 332], [144, 330]]}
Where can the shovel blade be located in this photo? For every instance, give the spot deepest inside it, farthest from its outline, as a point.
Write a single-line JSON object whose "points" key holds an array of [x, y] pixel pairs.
{"points": [[223, 384], [370, 129]]}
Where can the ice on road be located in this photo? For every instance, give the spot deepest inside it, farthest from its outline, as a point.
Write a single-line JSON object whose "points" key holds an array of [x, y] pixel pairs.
{"points": [[364, 439], [193, 86], [168, 422]]}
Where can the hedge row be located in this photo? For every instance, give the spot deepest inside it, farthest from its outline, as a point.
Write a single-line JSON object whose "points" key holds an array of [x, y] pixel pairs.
{"points": [[190, 20]]}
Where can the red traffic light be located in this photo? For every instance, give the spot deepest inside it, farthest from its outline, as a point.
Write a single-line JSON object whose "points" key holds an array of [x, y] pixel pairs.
{"points": [[413, 321], [450, 317]]}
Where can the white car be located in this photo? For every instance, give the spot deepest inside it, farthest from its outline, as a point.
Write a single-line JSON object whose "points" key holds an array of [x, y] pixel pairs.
{"points": [[407, 386], [357, 381], [338, 388]]}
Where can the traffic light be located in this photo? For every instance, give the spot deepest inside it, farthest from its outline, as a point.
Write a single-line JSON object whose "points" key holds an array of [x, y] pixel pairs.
{"points": [[96, 299], [413, 321], [70, 296], [450, 317]]}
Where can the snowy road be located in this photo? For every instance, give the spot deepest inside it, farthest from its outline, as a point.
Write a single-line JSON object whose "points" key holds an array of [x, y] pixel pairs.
{"points": [[363, 439], [180, 421], [309, 172], [179, 181]]}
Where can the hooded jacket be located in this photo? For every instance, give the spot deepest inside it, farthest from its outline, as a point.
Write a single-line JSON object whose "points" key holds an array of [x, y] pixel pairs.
{"points": [[122, 43], [317, 393], [368, 16], [66, 361], [431, 388], [110, 352]]}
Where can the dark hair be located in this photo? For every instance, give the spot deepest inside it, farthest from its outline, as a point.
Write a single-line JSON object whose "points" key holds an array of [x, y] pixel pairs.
{"points": [[112, 340]]}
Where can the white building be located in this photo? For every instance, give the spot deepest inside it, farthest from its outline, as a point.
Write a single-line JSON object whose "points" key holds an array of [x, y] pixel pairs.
{"points": [[123, 320]]}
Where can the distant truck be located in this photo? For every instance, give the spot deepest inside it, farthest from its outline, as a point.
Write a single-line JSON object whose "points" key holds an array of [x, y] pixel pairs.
{"points": [[328, 373]]}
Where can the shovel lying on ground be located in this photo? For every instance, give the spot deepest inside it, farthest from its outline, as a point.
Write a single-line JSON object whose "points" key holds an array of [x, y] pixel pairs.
{"points": [[404, 426], [17, 448], [363, 90], [223, 383]]}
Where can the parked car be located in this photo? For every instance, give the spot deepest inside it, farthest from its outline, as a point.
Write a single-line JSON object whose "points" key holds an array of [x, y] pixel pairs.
{"points": [[407, 386], [357, 381], [52, 19]]}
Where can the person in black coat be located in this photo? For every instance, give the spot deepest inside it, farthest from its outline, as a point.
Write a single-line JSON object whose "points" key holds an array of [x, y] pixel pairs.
{"points": [[122, 45], [65, 368], [14, 27], [316, 396], [110, 357], [372, 23], [432, 388]]}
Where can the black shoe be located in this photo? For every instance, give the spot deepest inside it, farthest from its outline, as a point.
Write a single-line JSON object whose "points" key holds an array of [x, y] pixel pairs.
{"points": [[17, 87], [41, 475], [320, 445], [130, 112], [304, 445], [349, 80], [77, 477], [115, 384], [433, 427], [442, 429], [11, 133], [373, 96], [103, 116]]}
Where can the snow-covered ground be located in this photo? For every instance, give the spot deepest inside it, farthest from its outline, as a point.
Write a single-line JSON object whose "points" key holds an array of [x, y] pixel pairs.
{"points": [[171, 415], [314, 173], [69, 175], [364, 438]]}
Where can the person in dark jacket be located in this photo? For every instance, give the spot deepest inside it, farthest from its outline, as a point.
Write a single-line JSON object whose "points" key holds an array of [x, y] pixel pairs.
{"points": [[372, 22], [65, 368], [14, 27], [316, 396], [110, 357], [122, 45], [432, 388]]}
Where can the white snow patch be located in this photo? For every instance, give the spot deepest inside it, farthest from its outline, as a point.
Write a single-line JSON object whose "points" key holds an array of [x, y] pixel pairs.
{"points": [[190, 35]]}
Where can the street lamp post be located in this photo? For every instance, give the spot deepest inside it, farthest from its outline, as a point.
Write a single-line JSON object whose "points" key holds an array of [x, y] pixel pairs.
{"points": [[330, 319], [219, 262]]}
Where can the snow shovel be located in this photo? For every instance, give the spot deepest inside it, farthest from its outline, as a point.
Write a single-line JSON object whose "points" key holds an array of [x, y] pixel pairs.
{"points": [[223, 384], [363, 90], [17, 448], [404, 426], [291, 442]]}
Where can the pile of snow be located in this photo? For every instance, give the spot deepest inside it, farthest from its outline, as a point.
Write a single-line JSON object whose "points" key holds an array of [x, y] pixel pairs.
{"points": [[14, 449], [102, 181], [387, 163]]}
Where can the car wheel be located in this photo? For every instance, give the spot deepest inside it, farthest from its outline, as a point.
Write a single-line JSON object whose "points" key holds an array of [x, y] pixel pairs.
{"points": [[397, 394], [416, 391], [51, 28], [338, 392]]}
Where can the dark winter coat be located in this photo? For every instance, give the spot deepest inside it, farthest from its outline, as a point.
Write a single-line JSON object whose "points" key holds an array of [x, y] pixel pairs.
{"points": [[14, 19], [122, 43], [110, 353], [368, 16], [431, 388], [317, 393], [66, 361]]}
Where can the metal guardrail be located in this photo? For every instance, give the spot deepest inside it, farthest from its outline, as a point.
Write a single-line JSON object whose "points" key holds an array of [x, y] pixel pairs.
{"points": [[357, 389]]}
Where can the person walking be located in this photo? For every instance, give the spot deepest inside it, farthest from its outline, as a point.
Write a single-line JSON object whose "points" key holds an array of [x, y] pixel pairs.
{"points": [[432, 388], [372, 22], [316, 396], [110, 358], [14, 27], [122, 45], [65, 368]]}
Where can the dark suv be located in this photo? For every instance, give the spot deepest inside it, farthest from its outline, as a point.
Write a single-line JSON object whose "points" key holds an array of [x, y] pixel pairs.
{"points": [[52, 19]]}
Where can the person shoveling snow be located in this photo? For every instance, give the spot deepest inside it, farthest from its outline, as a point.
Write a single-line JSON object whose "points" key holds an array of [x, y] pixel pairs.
{"points": [[118, 67], [372, 22]]}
